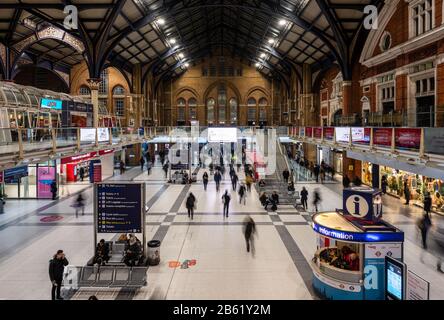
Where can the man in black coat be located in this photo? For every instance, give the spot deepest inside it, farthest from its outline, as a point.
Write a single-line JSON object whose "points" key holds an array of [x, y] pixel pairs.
{"points": [[56, 266]]}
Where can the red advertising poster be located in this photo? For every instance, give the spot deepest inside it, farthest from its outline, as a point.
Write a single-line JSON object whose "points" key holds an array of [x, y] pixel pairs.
{"points": [[329, 133], [317, 132], [308, 132], [45, 176], [361, 135], [382, 137], [97, 172], [407, 138]]}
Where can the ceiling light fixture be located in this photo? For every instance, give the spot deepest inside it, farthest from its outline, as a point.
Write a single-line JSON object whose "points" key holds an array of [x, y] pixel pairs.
{"points": [[282, 22], [257, 64], [172, 41], [263, 55], [161, 21], [271, 41], [181, 55], [186, 64]]}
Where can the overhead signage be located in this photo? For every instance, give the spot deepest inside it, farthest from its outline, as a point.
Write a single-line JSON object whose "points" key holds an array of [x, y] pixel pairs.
{"points": [[417, 288], [51, 104], [87, 156], [407, 138], [359, 236], [12, 175], [120, 207]]}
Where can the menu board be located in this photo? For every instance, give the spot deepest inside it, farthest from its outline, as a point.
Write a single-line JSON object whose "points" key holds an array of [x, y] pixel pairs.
{"points": [[119, 207], [407, 138], [382, 137]]}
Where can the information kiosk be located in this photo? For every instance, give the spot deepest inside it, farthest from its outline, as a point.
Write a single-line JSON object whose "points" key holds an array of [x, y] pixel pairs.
{"points": [[352, 244]]}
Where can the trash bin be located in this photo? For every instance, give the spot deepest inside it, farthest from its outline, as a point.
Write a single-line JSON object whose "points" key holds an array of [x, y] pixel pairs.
{"points": [[153, 252]]}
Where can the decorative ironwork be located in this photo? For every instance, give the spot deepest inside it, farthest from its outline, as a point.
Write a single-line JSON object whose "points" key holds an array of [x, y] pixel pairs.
{"points": [[94, 83]]}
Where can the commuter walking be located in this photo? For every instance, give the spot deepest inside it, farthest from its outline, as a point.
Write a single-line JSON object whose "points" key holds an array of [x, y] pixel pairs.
{"points": [[80, 205], [165, 169], [424, 225], [122, 167], [142, 163], [304, 198], [427, 202], [406, 192], [190, 204], [384, 184], [285, 175], [249, 232], [226, 201], [248, 182], [316, 200], [56, 267], [234, 180], [205, 180], [217, 179], [82, 173], [54, 189], [346, 181], [149, 165], [242, 194], [316, 171]]}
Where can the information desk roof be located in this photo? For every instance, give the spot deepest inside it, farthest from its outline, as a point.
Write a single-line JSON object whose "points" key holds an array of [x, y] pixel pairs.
{"points": [[336, 226], [336, 221]]}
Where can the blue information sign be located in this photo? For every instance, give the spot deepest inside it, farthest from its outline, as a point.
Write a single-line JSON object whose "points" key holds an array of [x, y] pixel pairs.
{"points": [[51, 104], [119, 208]]}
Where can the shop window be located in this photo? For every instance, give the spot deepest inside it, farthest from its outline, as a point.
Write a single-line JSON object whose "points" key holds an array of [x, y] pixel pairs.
{"points": [[84, 91]]}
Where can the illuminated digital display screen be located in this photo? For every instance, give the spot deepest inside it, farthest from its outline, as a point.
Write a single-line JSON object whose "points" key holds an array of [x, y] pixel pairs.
{"points": [[51, 104]]}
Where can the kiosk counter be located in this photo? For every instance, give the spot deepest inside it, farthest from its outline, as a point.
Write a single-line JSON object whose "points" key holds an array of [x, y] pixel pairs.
{"points": [[349, 261]]}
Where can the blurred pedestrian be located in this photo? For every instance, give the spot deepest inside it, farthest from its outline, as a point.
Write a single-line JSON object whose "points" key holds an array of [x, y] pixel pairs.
{"points": [[217, 179], [79, 205], [304, 198], [54, 189], [316, 199], [121, 167], [249, 232], [234, 180], [242, 194], [142, 163], [427, 202], [226, 201], [190, 204], [205, 180], [406, 192], [346, 181], [384, 184]]}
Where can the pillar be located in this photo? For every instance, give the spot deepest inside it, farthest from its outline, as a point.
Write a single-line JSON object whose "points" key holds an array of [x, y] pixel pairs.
{"points": [[137, 89], [347, 108], [94, 87]]}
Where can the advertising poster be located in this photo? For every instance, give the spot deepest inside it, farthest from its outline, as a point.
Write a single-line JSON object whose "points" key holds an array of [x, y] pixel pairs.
{"points": [[361, 135], [302, 132], [51, 104], [407, 138], [308, 132], [103, 134], [434, 140], [14, 174], [417, 288], [87, 134], [375, 254], [382, 137], [342, 134], [45, 176], [329, 133], [317, 132]]}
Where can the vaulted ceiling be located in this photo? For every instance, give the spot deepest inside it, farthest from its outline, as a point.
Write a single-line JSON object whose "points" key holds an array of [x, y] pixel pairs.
{"points": [[128, 32]]}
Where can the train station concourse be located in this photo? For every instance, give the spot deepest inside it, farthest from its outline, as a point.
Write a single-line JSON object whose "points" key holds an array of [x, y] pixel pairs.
{"points": [[221, 150]]}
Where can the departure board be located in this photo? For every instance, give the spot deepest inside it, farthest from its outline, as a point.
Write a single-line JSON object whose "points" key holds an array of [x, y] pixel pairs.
{"points": [[119, 208]]}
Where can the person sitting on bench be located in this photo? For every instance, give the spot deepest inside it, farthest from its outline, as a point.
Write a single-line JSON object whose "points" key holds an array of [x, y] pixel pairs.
{"points": [[102, 253], [133, 251]]}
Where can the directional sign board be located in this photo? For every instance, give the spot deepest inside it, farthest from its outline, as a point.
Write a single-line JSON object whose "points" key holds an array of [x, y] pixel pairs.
{"points": [[119, 207]]}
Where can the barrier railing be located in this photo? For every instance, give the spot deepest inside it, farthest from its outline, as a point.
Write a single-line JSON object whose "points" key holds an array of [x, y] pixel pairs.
{"points": [[418, 141]]}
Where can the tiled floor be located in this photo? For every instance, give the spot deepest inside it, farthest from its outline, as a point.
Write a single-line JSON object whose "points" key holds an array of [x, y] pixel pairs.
{"points": [[224, 270]]}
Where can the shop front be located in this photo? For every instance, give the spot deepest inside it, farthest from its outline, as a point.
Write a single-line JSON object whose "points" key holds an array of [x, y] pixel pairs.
{"points": [[76, 114], [30, 182], [92, 167]]}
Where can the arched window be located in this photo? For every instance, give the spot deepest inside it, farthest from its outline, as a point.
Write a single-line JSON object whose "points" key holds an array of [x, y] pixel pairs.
{"points": [[119, 101], [84, 91], [192, 105], [118, 91], [233, 111], [181, 103], [103, 86], [263, 109], [210, 110], [222, 103], [251, 110]]}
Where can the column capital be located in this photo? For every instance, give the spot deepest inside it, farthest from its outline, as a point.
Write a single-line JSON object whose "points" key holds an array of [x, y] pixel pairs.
{"points": [[94, 83]]}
